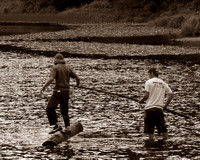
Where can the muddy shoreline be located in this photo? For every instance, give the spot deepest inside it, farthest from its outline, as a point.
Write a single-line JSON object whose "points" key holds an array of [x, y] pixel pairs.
{"points": [[15, 28], [24, 27], [189, 59]]}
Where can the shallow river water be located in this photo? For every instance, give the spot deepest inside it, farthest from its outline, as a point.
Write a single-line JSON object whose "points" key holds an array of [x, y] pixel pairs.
{"points": [[113, 126]]}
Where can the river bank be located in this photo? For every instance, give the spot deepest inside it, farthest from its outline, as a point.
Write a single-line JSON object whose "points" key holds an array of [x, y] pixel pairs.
{"points": [[134, 34]]}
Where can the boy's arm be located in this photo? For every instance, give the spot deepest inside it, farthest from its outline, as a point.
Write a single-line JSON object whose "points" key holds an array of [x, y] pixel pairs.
{"points": [[74, 75], [49, 81], [77, 81], [144, 98]]}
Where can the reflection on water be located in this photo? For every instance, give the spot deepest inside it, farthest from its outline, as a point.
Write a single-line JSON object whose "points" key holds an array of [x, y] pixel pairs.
{"points": [[113, 126], [7, 28]]}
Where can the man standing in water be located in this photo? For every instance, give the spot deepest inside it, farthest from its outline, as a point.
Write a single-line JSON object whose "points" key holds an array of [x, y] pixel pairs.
{"points": [[155, 91], [62, 74]]}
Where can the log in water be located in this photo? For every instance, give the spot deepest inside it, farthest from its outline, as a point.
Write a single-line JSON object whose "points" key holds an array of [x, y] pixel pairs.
{"points": [[63, 135]]}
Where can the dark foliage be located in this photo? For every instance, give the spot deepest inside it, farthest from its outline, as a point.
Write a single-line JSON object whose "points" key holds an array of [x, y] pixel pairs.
{"points": [[153, 6], [63, 4], [56, 5]]}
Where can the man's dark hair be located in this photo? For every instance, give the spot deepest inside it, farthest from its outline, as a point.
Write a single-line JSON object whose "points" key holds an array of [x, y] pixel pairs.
{"points": [[154, 71]]}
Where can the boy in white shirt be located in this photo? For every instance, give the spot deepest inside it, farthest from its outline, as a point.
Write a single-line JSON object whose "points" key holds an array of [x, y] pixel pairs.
{"points": [[155, 91]]}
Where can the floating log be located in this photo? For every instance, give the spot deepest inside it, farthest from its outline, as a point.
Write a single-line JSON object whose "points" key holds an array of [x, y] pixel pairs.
{"points": [[63, 135]]}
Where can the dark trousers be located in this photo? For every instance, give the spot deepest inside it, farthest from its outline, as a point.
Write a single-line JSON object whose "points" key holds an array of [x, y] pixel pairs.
{"points": [[154, 117], [62, 98]]}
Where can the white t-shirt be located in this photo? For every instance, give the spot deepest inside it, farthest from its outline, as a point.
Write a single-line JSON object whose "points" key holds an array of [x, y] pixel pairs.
{"points": [[157, 89]]}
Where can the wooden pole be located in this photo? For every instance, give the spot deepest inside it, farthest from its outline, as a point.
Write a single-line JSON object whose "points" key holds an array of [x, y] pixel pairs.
{"points": [[106, 92], [123, 96], [177, 113], [62, 136]]}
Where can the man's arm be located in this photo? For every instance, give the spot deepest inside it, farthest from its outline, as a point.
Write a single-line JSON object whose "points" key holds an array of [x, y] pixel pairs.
{"points": [[169, 98], [49, 81], [144, 98]]}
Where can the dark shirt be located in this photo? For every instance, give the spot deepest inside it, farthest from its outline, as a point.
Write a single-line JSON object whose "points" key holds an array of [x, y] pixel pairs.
{"points": [[62, 73]]}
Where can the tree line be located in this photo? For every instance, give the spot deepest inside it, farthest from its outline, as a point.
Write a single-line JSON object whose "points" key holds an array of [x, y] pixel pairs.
{"points": [[51, 5], [60, 5]]}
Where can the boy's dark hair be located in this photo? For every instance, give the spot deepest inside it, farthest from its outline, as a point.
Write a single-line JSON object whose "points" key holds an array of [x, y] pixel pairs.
{"points": [[59, 59], [154, 71]]}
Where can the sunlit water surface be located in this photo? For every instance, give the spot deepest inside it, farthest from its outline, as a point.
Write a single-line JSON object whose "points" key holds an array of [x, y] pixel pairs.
{"points": [[113, 126]]}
